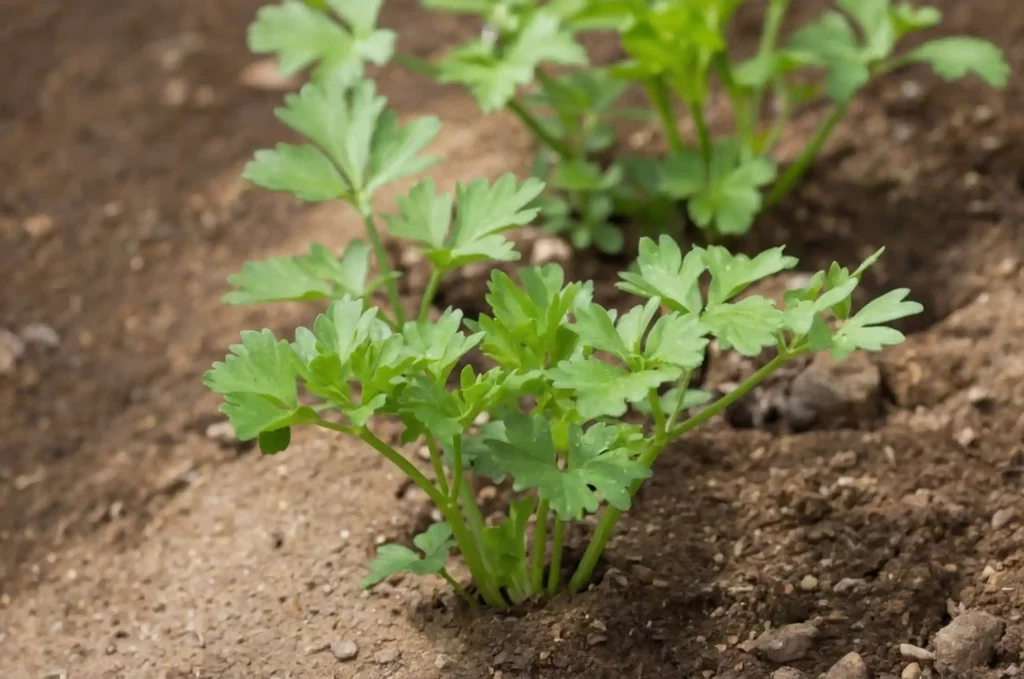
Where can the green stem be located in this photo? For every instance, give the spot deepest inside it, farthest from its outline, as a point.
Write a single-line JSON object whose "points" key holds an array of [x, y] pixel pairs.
{"points": [[779, 124], [606, 525], [555, 572], [475, 518], [458, 478], [796, 171], [658, 93], [703, 136], [459, 589], [772, 25], [741, 117], [449, 506], [428, 294], [540, 535], [435, 459], [383, 266], [658, 413], [537, 130]]}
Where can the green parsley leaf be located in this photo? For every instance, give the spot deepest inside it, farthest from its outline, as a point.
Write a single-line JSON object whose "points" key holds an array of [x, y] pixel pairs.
{"points": [[301, 36], [725, 193], [434, 544], [665, 273], [747, 326], [908, 19], [258, 382], [505, 543], [732, 274], [353, 130], [439, 345], [957, 57], [484, 212], [318, 275], [865, 329], [603, 389], [831, 41], [528, 455], [494, 77], [276, 441], [677, 339]]}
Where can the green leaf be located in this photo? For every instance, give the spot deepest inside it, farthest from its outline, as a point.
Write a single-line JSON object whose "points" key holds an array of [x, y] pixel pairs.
{"points": [[273, 442], [873, 18], [956, 57], [732, 274], [484, 212], [908, 19], [354, 131], [439, 345], [300, 36], [748, 326], [302, 171], [494, 77], [865, 329], [528, 455], [677, 339], [831, 41], [258, 382], [505, 543], [318, 275], [665, 273], [595, 327], [603, 389], [434, 544], [726, 194]]}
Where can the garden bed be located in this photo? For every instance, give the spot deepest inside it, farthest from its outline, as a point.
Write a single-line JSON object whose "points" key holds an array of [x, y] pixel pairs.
{"points": [[138, 541]]}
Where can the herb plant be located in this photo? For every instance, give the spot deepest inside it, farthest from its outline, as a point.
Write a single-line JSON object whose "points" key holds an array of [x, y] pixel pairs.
{"points": [[580, 401], [675, 51]]}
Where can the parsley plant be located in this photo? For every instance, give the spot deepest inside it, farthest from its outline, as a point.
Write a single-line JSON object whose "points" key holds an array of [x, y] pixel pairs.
{"points": [[580, 401], [676, 50]]}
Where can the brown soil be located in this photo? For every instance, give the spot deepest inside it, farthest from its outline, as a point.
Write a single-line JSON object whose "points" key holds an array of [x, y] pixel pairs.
{"points": [[132, 545]]}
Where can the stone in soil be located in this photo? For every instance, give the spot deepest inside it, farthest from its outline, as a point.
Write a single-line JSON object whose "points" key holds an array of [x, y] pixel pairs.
{"points": [[851, 666], [830, 393], [788, 673], [344, 650], [784, 644], [388, 655], [967, 642], [916, 652], [11, 349], [911, 671]]}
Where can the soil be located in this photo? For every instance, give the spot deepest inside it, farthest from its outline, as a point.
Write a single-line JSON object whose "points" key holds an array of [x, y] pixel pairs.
{"points": [[134, 542]]}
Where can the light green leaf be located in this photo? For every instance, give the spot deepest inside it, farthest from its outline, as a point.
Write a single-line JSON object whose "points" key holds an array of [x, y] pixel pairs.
{"points": [[318, 275], [302, 171], [677, 339], [434, 544], [956, 57], [748, 326], [665, 273], [865, 330], [603, 389], [732, 274]]}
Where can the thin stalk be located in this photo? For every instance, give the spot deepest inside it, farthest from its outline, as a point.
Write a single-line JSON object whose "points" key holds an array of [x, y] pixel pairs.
{"points": [[449, 506], [741, 116], [658, 93], [537, 130], [779, 124], [610, 516], [554, 573], [458, 477], [540, 536], [475, 519], [428, 294], [796, 171], [703, 136], [459, 589], [772, 25], [435, 460], [658, 413], [383, 266]]}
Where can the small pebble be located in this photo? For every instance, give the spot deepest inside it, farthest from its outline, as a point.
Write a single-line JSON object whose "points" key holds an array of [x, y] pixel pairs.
{"points": [[911, 671], [848, 585], [39, 226], [388, 655], [851, 666], [344, 650], [916, 652], [550, 250], [784, 644], [788, 673], [967, 642], [1003, 517], [442, 661], [809, 583]]}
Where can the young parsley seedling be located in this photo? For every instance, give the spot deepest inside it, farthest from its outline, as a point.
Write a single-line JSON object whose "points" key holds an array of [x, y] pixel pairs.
{"points": [[565, 370]]}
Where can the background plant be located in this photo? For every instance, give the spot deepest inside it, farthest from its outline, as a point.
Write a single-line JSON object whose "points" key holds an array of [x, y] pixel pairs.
{"points": [[565, 370], [676, 51]]}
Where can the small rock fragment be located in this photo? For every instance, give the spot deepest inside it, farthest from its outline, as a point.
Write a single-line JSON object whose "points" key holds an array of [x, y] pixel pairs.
{"points": [[221, 432], [809, 583], [40, 333], [176, 92], [12, 348], [916, 652], [967, 642], [386, 656], [966, 436], [39, 226], [851, 666], [829, 393], [265, 75], [911, 671], [344, 650], [787, 673], [442, 661], [550, 250], [1003, 517], [783, 644], [849, 585]]}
